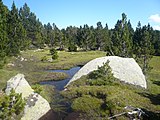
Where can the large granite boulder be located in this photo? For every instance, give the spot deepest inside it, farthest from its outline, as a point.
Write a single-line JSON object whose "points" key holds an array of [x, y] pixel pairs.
{"points": [[124, 69], [20, 85], [36, 106]]}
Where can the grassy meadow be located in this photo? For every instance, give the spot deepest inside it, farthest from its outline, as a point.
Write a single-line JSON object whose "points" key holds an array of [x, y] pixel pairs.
{"points": [[35, 70], [116, 96]]}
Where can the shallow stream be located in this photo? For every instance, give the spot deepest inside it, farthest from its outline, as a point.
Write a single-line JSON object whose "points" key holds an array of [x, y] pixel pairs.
{"points": [[59, 85], [63, 107]]}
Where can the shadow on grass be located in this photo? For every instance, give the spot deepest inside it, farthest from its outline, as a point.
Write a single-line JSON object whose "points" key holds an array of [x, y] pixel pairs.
{"points": [[155, 99], [149, 115], [157, 83]]}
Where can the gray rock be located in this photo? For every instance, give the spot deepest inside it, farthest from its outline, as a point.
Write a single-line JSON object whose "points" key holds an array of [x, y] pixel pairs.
{"points": [[38, 50], [124, 69], [50, 60], [22, 59], [25, 60], [36, 106], [10, 64], [20, 85]]}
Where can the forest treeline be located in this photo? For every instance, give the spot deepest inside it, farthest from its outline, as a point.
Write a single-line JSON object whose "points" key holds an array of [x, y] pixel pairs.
{"points": [[20, 29]]}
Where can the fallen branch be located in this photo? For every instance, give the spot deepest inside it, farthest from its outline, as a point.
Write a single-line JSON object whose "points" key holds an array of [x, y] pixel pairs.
{"points": [[132, 111], [117, 115]]}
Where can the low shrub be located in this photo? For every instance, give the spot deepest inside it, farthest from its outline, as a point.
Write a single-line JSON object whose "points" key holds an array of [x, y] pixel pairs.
{"points": [[72, 48], [102, 76], [44, 59], [54, 53], [37, 88], [11, 105], [55, 56]]}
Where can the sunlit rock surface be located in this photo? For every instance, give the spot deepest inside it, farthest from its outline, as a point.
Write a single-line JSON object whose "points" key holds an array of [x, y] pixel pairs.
{"points": [[36, 106], [124, 69]]}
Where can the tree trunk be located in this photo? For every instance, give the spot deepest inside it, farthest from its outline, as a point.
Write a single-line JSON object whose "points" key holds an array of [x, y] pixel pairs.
{"points": [[144, 64]]}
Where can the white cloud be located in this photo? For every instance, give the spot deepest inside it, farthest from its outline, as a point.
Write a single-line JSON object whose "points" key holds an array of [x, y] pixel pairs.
{"points": [[156, 27], [155, 18]]}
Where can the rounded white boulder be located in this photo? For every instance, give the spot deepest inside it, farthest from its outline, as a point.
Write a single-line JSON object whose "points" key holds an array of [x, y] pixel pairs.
{"points": [[124, 69]]}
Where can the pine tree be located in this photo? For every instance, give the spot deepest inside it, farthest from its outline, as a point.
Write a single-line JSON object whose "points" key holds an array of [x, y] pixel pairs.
{"points": [[79, 37], [24, 14], [156, 42], [16, 32], [33, 26], [71, 35], [38, 41], [49, 34], [92, 42], [86, 37], [116, 39], [99, 36], [131, 30], [121, 38], [3, 33], [143, 48], [58, 37], [64, 40], [107, 40]]}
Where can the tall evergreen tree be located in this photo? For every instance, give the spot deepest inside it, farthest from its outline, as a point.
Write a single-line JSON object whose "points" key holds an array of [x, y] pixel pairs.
{"points": [[16, 32], [39, 42], [86, 37], [107, 40], [99, 36], [131, 30], [71, 35], [24, 13], [80, 37], [121, 38], [32, 25], [3, 32], [116, 43], [49, 35], [92, 44], [143, 48], [156, 42], [64, 40], [57, 36]]}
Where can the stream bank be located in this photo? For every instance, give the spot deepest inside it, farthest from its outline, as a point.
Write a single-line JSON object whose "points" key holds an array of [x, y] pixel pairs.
{"points": [[61, 108]]}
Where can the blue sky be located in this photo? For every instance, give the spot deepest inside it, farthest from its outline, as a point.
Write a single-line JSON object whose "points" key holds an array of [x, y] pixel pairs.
{"points": [[79, 12]]}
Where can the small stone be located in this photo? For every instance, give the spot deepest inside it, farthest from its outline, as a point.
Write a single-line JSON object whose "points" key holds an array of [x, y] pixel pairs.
{"points": [[22, 59], [31, 100], [25, 60], [10, 65], [50, 60]]}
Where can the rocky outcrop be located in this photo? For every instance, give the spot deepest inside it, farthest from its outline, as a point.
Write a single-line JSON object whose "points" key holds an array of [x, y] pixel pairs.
{"points": [[36, 106], [124, 69]]}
